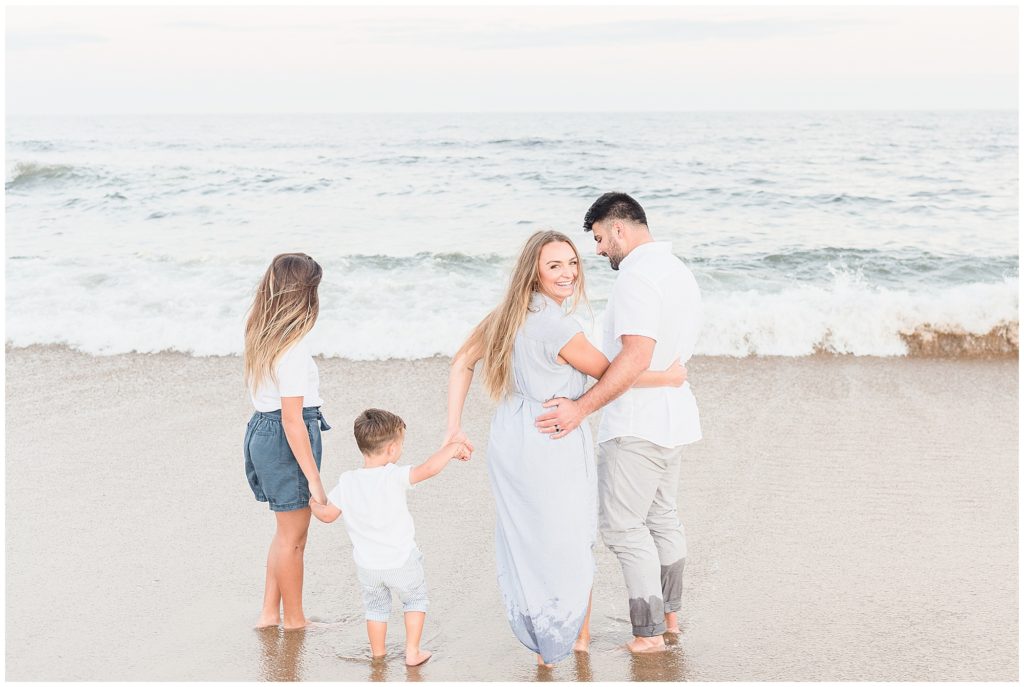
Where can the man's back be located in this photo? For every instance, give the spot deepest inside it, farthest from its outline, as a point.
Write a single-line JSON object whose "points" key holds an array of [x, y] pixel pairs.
{"points": [[655, 296]]}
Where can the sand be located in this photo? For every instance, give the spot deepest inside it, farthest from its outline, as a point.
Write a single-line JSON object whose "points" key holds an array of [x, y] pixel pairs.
{"points": [[848, 519]]}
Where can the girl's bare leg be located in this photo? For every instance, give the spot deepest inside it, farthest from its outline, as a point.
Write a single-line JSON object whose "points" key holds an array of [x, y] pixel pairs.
{"points": [[271, 613], [288, 549]]}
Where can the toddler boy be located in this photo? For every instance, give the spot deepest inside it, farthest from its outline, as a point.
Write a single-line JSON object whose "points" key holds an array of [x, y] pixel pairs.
{"points": [[381, 529]]}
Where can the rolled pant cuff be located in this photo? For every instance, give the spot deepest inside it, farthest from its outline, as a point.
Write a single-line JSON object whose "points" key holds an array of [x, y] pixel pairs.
{"points": [[649, 630], [673, 607]]}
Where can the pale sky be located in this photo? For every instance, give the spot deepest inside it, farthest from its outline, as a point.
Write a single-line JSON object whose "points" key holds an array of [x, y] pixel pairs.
{"points": [[132, 60]]}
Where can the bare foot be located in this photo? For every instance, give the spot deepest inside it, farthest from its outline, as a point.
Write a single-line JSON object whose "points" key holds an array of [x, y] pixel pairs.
{"points": [[646, 645], [417, 658], [268, 621], [542, 664], [582, 644], [310, 624], [674, 630]]}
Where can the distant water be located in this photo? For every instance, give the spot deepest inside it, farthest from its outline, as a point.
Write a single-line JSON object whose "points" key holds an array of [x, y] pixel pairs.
{"points": [[863, 233]]}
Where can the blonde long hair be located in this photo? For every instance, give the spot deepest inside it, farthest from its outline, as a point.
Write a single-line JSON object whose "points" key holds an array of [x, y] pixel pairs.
{"points": [[495, 336], [283, 311]]}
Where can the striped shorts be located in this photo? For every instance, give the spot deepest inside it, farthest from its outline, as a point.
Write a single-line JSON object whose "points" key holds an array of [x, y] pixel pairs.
{"points": [[407, 582]]}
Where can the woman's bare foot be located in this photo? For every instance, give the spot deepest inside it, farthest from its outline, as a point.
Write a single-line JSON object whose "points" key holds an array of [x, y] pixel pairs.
{"points": [[542, 664], [582, 644], [416, 658], [646, 645], [310, 624], [267, 621]]}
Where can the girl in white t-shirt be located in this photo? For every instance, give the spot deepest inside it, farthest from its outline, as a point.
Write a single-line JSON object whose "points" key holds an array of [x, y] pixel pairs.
{"points": [[282, 441]]}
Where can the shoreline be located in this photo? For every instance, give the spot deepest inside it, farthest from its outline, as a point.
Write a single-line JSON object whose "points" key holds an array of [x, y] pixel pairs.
{"points": [[1001, 344]]}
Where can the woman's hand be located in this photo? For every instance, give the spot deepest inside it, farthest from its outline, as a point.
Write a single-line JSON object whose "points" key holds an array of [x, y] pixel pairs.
{"points": [[675, 374], [456, 435]]}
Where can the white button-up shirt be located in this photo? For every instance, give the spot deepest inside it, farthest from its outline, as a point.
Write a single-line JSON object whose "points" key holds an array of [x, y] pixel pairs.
{"points": [[655, 295]]}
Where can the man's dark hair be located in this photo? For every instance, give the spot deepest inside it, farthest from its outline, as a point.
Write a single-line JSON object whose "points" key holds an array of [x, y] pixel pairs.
{"points": [[614, 206]]}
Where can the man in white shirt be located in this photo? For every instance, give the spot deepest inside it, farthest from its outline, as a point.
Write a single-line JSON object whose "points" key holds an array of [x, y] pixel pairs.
{"points": [[653, 318]]}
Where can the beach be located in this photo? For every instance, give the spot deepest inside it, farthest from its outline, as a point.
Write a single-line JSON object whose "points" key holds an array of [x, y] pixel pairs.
{"points": [[848, 518]]}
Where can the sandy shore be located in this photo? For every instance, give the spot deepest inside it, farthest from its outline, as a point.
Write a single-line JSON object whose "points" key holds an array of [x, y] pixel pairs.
{"points": [[848, 519]]}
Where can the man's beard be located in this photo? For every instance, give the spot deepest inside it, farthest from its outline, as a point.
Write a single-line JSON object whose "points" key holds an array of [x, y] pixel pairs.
{"points": [[614, 256]]}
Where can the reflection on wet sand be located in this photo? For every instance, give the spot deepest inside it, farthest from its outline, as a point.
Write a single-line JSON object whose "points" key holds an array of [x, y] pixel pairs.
{"points": [[664, 666], [281, 654], [582, 667], [379, 669]]}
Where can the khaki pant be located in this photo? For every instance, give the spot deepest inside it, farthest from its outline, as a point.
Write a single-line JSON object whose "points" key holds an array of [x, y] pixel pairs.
{"points": [[637, 483]]}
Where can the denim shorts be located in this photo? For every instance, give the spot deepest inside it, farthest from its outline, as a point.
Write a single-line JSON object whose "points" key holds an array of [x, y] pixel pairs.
{"points": [[270, 466], [407, 583]]}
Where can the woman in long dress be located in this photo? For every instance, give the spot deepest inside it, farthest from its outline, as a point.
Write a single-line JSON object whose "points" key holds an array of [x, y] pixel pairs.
{"points": [[545, 490]]}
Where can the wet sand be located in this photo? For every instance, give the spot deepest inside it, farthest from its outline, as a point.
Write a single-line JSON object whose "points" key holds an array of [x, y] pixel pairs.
{"points": [[848, 519]]}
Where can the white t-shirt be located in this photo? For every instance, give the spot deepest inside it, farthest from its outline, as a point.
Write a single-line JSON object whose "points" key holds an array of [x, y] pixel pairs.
{"points": [[376, 515], [655, 295], [296, 376]]}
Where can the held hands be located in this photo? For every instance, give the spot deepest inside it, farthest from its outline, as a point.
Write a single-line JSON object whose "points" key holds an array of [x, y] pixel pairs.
{"points": [[458, 450], [318, 494], [675, 374], [456, 435], [565, 416], [319, 509]]}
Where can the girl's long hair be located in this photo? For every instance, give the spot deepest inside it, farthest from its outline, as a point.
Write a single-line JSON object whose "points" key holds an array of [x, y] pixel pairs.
{"points": [[495, 335], [283, 311]]}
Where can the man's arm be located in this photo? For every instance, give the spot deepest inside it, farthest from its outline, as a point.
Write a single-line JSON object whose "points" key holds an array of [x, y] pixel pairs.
{"points": [[622, 373]]}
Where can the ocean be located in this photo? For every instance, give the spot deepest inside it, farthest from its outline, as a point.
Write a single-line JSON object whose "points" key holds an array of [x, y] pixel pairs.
{"points": [[863, 233]]}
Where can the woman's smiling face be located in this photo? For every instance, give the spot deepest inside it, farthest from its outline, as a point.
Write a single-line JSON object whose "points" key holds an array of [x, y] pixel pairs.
{"points": [[557, 270]]}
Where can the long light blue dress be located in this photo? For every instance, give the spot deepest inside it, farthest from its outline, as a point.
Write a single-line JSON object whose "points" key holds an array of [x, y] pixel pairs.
{"points": [[545, 491]]}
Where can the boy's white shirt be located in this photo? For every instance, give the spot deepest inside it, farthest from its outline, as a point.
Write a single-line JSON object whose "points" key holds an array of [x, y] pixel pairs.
{"points": [[376, 515]]}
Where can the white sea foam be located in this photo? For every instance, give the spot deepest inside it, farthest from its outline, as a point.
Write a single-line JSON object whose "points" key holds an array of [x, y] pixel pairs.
{"points": [[421, 309]]}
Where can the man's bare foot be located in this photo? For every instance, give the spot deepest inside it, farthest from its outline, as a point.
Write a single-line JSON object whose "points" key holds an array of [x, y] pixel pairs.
{"points": [[542, 664], [646, 645], [417, 658], [582, 644], [674, 630], [672, 623]]}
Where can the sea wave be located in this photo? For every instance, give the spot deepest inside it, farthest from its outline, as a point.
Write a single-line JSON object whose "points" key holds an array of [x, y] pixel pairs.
{"points": [[381, 307], [24, 174]]}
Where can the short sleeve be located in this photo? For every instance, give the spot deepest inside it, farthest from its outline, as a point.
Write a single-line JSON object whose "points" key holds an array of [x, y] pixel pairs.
{"points": [[400, 476], [562, 331], [636, 307], [293, 371]]}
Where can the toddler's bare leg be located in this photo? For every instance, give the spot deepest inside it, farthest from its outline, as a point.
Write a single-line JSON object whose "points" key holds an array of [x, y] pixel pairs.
{"points": [[414, 656], [377, 632]]}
